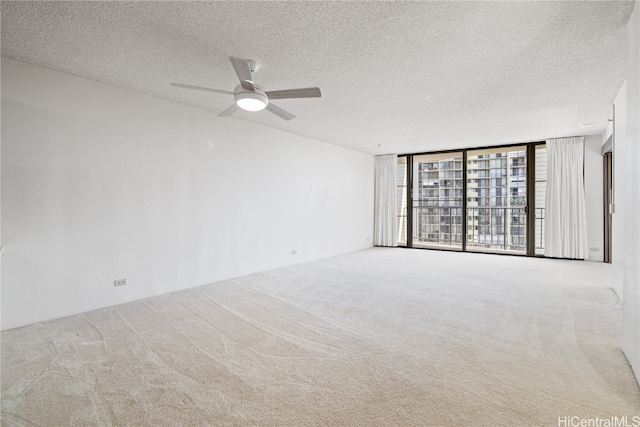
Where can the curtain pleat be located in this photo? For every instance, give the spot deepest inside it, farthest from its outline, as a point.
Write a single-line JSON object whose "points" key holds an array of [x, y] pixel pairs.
{"points": [[565, 217], [385, 201]]}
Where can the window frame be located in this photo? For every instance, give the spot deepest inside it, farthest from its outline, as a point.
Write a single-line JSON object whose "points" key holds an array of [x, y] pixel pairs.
{"points": [[529, 206]]}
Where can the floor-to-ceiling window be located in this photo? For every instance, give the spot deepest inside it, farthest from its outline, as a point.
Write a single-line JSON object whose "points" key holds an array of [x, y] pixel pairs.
{"points": [[437, 200], [401, 182], [540, 196], [481, 200]]}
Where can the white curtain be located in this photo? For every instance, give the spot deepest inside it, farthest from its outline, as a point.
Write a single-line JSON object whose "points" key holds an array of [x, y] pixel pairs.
{"points": [[385, 215], [565, 217]]}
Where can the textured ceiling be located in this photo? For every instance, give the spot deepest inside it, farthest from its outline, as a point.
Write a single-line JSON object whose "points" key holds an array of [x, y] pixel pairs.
{"points": [[395, 76]]}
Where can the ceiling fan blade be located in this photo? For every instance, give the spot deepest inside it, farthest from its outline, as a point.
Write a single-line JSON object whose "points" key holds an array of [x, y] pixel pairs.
{"points": [[243, 70], [229, 111], [226, 92], [280, 112], [307, 92]]}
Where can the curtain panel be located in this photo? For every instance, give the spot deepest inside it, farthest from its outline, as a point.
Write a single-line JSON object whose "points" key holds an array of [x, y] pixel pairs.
{"points": [[565, 218], [385, 230]]}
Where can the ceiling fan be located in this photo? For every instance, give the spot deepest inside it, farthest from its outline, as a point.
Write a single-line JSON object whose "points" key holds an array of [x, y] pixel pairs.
{"points": [[251, 97]]}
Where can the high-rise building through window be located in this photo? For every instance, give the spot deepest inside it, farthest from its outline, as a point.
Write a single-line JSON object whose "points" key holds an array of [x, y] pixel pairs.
{"points": [[474, 199]]}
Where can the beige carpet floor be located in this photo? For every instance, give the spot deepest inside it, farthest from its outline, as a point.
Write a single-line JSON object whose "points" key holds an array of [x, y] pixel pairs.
{"points": [[381, 337]]}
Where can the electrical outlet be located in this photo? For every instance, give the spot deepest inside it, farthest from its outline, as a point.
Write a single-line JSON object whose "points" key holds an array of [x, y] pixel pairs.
{"points": [[293, 252], [120, 282], [594, 249]]}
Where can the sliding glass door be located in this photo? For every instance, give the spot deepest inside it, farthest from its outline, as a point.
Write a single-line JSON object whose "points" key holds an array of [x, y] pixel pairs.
{"points": [[481, 200], [496, 200]]}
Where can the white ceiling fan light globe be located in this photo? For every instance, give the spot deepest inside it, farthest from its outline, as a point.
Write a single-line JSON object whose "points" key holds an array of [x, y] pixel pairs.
{"points": [[252, 101]]}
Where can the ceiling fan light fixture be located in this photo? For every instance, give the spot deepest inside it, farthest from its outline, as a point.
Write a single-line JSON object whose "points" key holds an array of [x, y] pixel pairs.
{"points": [[252, 101]]}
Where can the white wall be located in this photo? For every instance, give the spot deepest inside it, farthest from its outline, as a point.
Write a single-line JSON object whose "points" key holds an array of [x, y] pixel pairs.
{"points": [[594, 196], [626, 255], [619, 184], [100, 183], [631, 307]]}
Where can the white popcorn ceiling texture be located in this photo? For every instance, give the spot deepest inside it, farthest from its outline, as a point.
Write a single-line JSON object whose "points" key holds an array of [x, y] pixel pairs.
{"points": [[395, 76]]}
